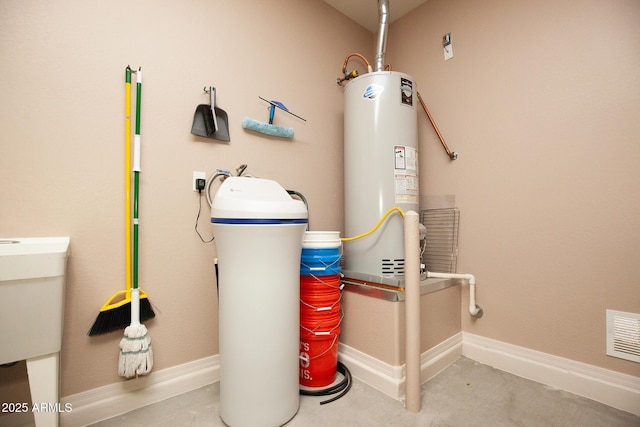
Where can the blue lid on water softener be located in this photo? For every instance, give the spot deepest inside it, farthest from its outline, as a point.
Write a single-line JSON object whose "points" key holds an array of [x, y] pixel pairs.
{"points": [[246, 200]]}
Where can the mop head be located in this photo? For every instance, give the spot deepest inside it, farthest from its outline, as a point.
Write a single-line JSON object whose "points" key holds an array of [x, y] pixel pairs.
{"points": [[266, 128], [136, 355]]}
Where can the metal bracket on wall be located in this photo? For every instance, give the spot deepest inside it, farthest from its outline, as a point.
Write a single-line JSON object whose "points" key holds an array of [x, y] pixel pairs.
{"points": [[452, 154]]}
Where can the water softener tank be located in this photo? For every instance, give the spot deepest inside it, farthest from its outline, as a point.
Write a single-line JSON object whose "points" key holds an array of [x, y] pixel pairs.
{"points": [[381, 169], [258, 231]]}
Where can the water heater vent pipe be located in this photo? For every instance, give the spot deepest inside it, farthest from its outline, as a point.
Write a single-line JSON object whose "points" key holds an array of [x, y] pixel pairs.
{"points": [[474, 310], [383, 12]]}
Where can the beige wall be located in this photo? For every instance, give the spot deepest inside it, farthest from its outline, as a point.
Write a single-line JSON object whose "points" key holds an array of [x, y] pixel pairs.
{"points": [[62, 144], [376, 326], [542, 101]]}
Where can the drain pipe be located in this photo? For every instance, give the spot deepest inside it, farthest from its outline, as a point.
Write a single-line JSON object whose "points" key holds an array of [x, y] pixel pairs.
{"points": [[412, 311], [383, 12], [474, 310]]}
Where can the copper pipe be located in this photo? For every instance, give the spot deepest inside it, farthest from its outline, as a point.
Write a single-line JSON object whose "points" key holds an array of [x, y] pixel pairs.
{"points": [[452, 155], [346, 60]]}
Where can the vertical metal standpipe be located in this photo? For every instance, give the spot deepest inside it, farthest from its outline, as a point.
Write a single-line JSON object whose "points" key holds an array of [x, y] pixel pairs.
{"points": [[412, 311], [383, 13]]}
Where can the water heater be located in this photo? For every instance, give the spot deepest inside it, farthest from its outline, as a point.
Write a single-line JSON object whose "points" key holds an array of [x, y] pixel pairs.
{"points": [[381, 169]]}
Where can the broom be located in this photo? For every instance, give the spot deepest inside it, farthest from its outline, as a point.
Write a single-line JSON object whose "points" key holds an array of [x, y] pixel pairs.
{"points": [[114, 314], [136, 355]]}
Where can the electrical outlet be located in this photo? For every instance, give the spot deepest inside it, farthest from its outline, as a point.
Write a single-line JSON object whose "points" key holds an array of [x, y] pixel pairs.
{"points": [[196, 176]]}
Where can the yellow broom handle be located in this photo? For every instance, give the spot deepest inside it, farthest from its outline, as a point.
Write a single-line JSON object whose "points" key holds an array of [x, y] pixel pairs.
{"points": [[127, 178]]}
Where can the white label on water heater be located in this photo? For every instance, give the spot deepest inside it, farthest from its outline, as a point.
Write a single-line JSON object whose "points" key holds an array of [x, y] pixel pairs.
{"points": [[406, 174]]}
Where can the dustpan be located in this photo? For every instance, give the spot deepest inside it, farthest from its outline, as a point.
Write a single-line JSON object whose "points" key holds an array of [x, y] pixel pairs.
{"points": [[209, 121]]}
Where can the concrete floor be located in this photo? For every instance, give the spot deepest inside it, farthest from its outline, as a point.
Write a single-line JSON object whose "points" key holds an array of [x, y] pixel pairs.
{"points": [[464, 394]]}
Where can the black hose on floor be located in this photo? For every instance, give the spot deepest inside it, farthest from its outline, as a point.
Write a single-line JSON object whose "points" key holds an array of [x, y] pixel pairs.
{"points": [[342, 387]]}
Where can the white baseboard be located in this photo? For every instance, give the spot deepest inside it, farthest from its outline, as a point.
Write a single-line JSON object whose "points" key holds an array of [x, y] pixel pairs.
{"points": [[374, 372], [389, 379], [115, 399], [438, 358], [612, 388]]}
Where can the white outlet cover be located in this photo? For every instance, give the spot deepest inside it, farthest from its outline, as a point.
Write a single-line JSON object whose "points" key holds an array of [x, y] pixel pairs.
{"points": [[448, 52], [197, 175]]}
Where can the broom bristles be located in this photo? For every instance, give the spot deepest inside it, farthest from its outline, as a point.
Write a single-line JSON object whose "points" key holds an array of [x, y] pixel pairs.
{"points": [[118, 318]]}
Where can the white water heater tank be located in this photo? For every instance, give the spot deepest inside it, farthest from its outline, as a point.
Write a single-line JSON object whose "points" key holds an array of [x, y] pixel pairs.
{"points": [[381, 169]]}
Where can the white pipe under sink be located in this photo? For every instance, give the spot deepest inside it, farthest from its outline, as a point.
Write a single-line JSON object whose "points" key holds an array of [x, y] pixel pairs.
{"points": [[474, 310]]}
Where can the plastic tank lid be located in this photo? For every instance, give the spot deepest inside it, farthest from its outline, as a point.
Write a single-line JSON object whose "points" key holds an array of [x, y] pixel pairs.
{"points": [[261, 200]]}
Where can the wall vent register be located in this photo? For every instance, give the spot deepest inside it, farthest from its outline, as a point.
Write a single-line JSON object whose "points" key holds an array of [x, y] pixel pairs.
{"points": [[623, 335]]}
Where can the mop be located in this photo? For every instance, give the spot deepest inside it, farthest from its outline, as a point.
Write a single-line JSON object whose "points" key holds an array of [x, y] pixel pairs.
{"points": [[270, 128], [136, 354]]}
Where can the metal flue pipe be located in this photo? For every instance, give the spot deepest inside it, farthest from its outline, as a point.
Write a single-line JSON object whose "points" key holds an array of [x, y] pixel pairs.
{"points": [[383, 12]]}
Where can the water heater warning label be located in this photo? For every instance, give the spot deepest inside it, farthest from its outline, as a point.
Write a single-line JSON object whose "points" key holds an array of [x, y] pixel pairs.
{"points": [[406, 174], [406, 91]]}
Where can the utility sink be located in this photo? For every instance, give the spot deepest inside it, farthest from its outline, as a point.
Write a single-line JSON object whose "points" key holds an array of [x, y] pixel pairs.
{"points": [[32, 272], [32, 281]]}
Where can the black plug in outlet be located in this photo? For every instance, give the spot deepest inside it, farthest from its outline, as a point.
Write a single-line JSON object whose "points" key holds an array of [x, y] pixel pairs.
{"points": [[200, 183]]}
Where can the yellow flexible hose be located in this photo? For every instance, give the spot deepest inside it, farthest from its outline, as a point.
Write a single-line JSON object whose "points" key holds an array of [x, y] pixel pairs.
{"points": [[360, 236]]}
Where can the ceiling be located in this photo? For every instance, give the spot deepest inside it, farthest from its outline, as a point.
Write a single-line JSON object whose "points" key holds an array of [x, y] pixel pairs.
{"points": [[365, 12]]}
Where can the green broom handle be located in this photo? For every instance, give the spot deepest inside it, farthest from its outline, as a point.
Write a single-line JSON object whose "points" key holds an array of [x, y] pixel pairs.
{"points": [[136, 175], [135, 229]]}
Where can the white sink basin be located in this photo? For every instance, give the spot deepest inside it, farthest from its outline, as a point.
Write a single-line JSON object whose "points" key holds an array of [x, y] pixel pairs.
{"points": [[32, 278]]}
